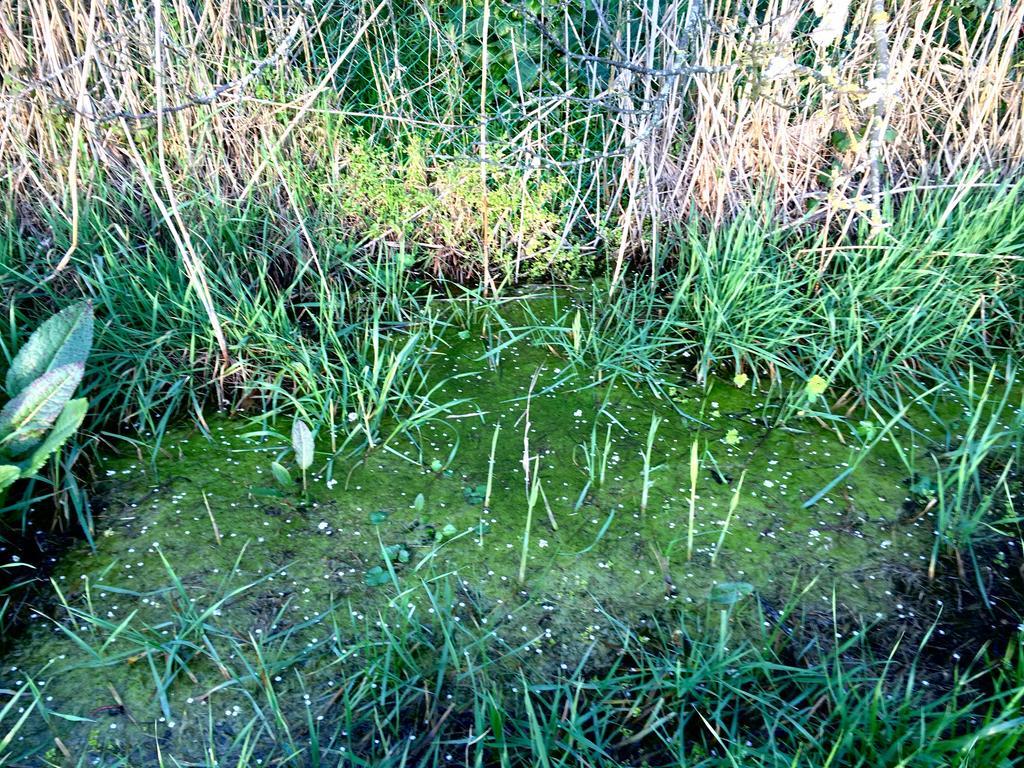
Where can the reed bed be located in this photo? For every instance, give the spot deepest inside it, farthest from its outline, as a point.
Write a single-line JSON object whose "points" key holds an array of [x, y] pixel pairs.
{"points": [[591, 127]]}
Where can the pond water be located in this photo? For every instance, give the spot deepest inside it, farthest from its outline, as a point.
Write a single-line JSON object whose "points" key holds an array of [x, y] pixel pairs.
{"points": [[200, 553]]}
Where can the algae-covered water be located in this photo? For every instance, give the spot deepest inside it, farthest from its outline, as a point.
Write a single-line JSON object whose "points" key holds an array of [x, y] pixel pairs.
{"points": [[207, 574]]}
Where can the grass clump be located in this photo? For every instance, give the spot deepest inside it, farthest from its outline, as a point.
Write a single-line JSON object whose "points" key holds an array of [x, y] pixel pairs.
{"points": [[432, 211]]}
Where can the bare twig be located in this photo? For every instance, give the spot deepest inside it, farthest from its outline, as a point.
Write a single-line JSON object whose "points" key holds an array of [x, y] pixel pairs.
{"points": [[279, 53], [879, 19], [629, 66]]}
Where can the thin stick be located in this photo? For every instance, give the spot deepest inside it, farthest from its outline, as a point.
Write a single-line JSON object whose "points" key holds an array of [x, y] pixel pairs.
{"points": [[490, 467], [531, 502], [733, 503], [694, 467], [484, 223], [213, 522], [879, 19], [76, 134]]}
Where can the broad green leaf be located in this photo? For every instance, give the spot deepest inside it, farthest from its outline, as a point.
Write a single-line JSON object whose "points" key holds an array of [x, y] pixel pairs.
{"points": [[67, 424], [302, 444], [8, 474], [376, 577], [474, 494], [729, 592], [64, 338], [842, 140], [525, 74], [281, 474], [25, 419], [264, 491]]}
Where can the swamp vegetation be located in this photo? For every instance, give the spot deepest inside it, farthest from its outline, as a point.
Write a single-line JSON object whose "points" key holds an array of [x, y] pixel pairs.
{"points": [[608, 383]]}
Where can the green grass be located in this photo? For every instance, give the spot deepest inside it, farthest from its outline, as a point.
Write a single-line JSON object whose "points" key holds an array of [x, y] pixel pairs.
{"points": [[891, 321], [726, 687], [736, 681]]}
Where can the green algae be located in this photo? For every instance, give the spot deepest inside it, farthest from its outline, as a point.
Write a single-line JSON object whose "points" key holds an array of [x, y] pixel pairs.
{"points": [[204, 570]]}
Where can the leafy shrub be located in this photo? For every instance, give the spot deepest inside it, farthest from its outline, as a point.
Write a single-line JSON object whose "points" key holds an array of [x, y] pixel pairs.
{"points": [[437, 207]]}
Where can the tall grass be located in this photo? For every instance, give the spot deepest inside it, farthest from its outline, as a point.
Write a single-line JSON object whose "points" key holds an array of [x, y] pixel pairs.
{"points": [[976, 474], [603, 121], [346, 340], [226, 234], [884, 319], [352, 341]]}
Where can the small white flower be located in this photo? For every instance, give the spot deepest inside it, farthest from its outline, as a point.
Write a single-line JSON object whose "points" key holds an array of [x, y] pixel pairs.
{"points": [[542, 543], [322, 525], [352, 416], [577, 413]]}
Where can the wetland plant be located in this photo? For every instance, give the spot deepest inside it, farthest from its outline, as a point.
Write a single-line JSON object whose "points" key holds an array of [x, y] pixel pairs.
{"points": [[302, 446], [531, 502], [41, 416], [595, 457], [734, 502], [490, 467], [972, 488], [326, 307]]}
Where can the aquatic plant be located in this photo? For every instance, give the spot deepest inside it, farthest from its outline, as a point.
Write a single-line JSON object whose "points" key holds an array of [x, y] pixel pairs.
{"points": [[977, 470], [41, 416], [302, 446], [302, 450], [692, 507], [349, 590]]}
